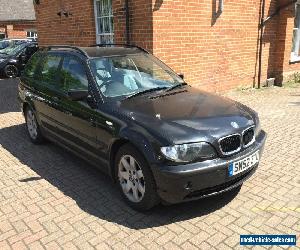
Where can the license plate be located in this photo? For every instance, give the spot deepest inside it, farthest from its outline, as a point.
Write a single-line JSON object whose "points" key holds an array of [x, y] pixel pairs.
{"points": [[244, 164]]}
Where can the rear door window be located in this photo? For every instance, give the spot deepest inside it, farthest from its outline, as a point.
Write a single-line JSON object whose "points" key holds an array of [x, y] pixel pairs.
{"points": [[49, 70], [32, 65]]}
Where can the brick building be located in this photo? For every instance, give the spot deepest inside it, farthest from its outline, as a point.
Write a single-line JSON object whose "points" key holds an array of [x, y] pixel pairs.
{"points": [[17, 19], [214, 43]]}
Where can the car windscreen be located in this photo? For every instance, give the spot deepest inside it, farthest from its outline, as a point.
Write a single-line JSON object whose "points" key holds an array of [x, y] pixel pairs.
{"points": [[130, 74], [13, 50], [4, 44]]}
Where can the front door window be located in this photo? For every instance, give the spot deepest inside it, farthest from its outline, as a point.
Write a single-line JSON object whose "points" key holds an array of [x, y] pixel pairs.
{"points": [[73, 75]]}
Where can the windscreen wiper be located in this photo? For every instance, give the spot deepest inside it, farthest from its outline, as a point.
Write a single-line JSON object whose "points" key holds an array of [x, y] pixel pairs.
{"points": [[146, 91], [176, 86]]}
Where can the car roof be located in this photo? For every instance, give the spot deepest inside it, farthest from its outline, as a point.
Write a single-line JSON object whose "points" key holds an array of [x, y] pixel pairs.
{"points": [[27, 43], [97, 51], [15, 39], [94, 52]]}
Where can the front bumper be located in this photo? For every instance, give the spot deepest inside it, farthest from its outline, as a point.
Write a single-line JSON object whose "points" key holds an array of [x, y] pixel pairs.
{"points": [[202, 179]]}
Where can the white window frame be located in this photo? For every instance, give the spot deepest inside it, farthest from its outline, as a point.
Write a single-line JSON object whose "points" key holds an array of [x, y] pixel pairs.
{"points": [[99, 35], [295, 55], [35, 36]]}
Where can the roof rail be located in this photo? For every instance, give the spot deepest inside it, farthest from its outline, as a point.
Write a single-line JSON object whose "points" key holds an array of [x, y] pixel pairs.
{"points": [[67, 47], [119, 44]]}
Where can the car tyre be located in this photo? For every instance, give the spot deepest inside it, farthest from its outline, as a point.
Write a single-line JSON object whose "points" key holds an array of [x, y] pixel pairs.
{"points": [[135, 179], [32, 126], [11, 71]]}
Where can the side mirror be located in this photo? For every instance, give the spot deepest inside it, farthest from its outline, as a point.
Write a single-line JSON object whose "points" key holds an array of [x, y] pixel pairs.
{"points": [[90, 101], [181, 75], [78, 95]]}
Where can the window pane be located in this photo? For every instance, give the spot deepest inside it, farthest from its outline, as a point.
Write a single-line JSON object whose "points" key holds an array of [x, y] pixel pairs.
{"points": [[31, 34], [105, 19], [106, 39], [31, 66], [104, 8], [296, 33], [297, 17], [49, 70], [295, 47], [126, 75], [73, 75], [30, 50]]}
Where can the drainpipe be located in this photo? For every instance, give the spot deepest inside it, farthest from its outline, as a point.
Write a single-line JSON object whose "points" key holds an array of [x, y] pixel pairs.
{"points": [[261, 26], [6, 32], [127, 22]]}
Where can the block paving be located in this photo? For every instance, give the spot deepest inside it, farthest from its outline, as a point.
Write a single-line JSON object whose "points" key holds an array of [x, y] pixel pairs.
{"points": [[49, 199]]}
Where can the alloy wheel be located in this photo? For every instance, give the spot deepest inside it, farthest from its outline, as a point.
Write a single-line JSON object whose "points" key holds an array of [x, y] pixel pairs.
{"points": [[131, 178], [31, 124], [11, 71]]}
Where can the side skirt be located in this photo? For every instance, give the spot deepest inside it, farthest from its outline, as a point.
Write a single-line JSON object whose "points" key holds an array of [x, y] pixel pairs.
{"points": [[99, 163]]}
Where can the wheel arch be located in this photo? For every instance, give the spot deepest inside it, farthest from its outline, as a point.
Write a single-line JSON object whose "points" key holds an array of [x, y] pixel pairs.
{"points": [[117, 144], [24, 107], [26, 104], [12, 61], [140, 143], [151, 197]]}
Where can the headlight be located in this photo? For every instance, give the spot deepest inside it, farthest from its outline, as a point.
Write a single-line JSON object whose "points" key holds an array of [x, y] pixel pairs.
{"points": [[2, 60], [188, 152], [257, 126]]}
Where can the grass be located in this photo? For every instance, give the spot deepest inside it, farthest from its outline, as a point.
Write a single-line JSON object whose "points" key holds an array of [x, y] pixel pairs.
{"points": [[293, 81], [249, 88]]}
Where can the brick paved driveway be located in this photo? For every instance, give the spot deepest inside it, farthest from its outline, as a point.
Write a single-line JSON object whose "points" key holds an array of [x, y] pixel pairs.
{"points": [[50, 199]]}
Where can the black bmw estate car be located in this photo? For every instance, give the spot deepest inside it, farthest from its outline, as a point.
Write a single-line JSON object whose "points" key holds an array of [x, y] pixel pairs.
{"points": [[130, 115]]}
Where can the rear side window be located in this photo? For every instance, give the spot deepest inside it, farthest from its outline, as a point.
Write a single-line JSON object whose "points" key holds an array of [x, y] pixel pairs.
{"points": [[49, 70], [30, 50], [31, 66], [73, 74]]}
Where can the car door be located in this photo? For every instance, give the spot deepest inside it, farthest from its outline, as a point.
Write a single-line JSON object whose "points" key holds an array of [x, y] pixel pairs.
{"points": [[75, 119], [44, 89]]}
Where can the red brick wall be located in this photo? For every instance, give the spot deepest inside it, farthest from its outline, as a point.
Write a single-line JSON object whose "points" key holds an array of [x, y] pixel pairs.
{"points": [[282, 51], [141, 23], [213, 53], [79, 28], [222, 53], [17, 29]]}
